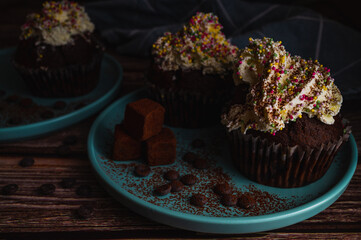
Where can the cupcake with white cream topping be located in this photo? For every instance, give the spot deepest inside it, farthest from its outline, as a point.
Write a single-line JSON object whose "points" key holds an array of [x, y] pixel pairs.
{"points": [[191, 72], [289, 130], [58, 54]]}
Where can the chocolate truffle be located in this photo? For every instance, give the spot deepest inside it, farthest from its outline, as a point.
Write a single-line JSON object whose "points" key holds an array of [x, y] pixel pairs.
{"points": [[125, 147], [143, 119], [161, 149]]}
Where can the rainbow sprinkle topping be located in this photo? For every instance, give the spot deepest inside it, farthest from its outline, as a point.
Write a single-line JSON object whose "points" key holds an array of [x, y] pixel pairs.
{"points": [[57, 22], [282, 88], [199, 45]]}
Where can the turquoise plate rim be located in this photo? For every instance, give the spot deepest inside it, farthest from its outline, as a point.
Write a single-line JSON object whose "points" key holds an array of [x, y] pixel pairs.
{"points": [[225, 225], [31, 130]]}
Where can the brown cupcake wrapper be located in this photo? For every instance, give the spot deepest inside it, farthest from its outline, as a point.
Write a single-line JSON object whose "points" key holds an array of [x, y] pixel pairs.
{"points": [[188, 109], [282, 166], [69, 81]]}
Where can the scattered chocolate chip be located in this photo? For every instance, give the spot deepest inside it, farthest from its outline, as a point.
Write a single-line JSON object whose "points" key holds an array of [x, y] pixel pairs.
{"points": [[14, 121], [222, 188], [12, 98], [189, 179], [2, 93], [198, 200], [68, 182], [9, 189], [176, 185], [142, 170], [84, 212], [79, 105], [26, 102], [229, 200], [246, 201], [190, 157], [171, 175], [46, 114], [84, 190], [27, 162], [198, 143], [46, 189], [201, 163], [70, 140], [59, 105], [163, 190], [63, 150]]}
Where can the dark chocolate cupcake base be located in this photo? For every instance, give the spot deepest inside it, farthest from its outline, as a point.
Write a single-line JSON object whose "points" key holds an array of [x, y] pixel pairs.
{"points": [[70, 81], [188, 109], [280, 165]]}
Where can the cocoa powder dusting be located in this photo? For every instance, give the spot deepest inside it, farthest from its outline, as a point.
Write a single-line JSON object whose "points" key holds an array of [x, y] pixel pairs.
{"points": [[143, 188]]}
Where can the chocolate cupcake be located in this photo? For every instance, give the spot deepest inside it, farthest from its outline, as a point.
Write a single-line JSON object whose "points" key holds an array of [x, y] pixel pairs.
{"points": [[58, 54], [289, 130], [191, 72]]}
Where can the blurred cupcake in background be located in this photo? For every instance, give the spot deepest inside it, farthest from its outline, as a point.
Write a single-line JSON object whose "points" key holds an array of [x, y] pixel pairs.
{"points": [[191, 72], [58, 54], [289, 130]]}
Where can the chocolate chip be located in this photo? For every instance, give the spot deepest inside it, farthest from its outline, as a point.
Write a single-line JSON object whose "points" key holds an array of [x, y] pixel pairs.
{"points": [[198, 200], [229, 200], [70, 140], [9, 189], [59, 105], [222, 188], [79, 105], [46, 114], [198, 143], [84, 190], [142, 170], [16, 120], [176, 185], [201, 163], [27, 162], [189, 179], [171, 175], [63, 150], [190, 157], [163, 190], [12, 98], [84, 212], [2, 93], [246, 201], [68, 182], [26, 102], [46, 189]]}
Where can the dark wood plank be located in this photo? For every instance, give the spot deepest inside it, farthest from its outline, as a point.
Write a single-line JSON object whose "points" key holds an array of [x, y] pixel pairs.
{"points": [[27, 211], [27, 215]]}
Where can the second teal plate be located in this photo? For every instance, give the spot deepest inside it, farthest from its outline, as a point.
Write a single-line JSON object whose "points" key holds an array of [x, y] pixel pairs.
{"points": [[11, 83], [275, 208]]}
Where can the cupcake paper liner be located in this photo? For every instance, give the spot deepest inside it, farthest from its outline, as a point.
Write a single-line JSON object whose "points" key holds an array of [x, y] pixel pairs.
{"points": [[69, 81], [188, 109], [282, 166]]}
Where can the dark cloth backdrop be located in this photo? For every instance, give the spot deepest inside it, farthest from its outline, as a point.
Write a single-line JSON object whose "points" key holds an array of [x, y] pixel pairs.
{"points": [[133, 26]]}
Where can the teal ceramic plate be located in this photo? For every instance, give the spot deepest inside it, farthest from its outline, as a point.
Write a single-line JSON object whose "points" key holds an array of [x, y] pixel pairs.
{"points": [[275, 207], [77, 108]]}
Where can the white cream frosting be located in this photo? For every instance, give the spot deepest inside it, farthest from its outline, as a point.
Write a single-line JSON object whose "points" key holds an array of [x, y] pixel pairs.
{"points": [[282, 88], [57, 23], [200, 45]]}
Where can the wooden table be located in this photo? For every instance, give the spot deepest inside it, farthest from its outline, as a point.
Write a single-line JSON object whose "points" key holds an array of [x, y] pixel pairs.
{"points": [[26, 215]]}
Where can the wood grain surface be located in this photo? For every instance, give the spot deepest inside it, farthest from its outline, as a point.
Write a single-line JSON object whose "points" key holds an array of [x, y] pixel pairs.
{"points": [[29, 215]]}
